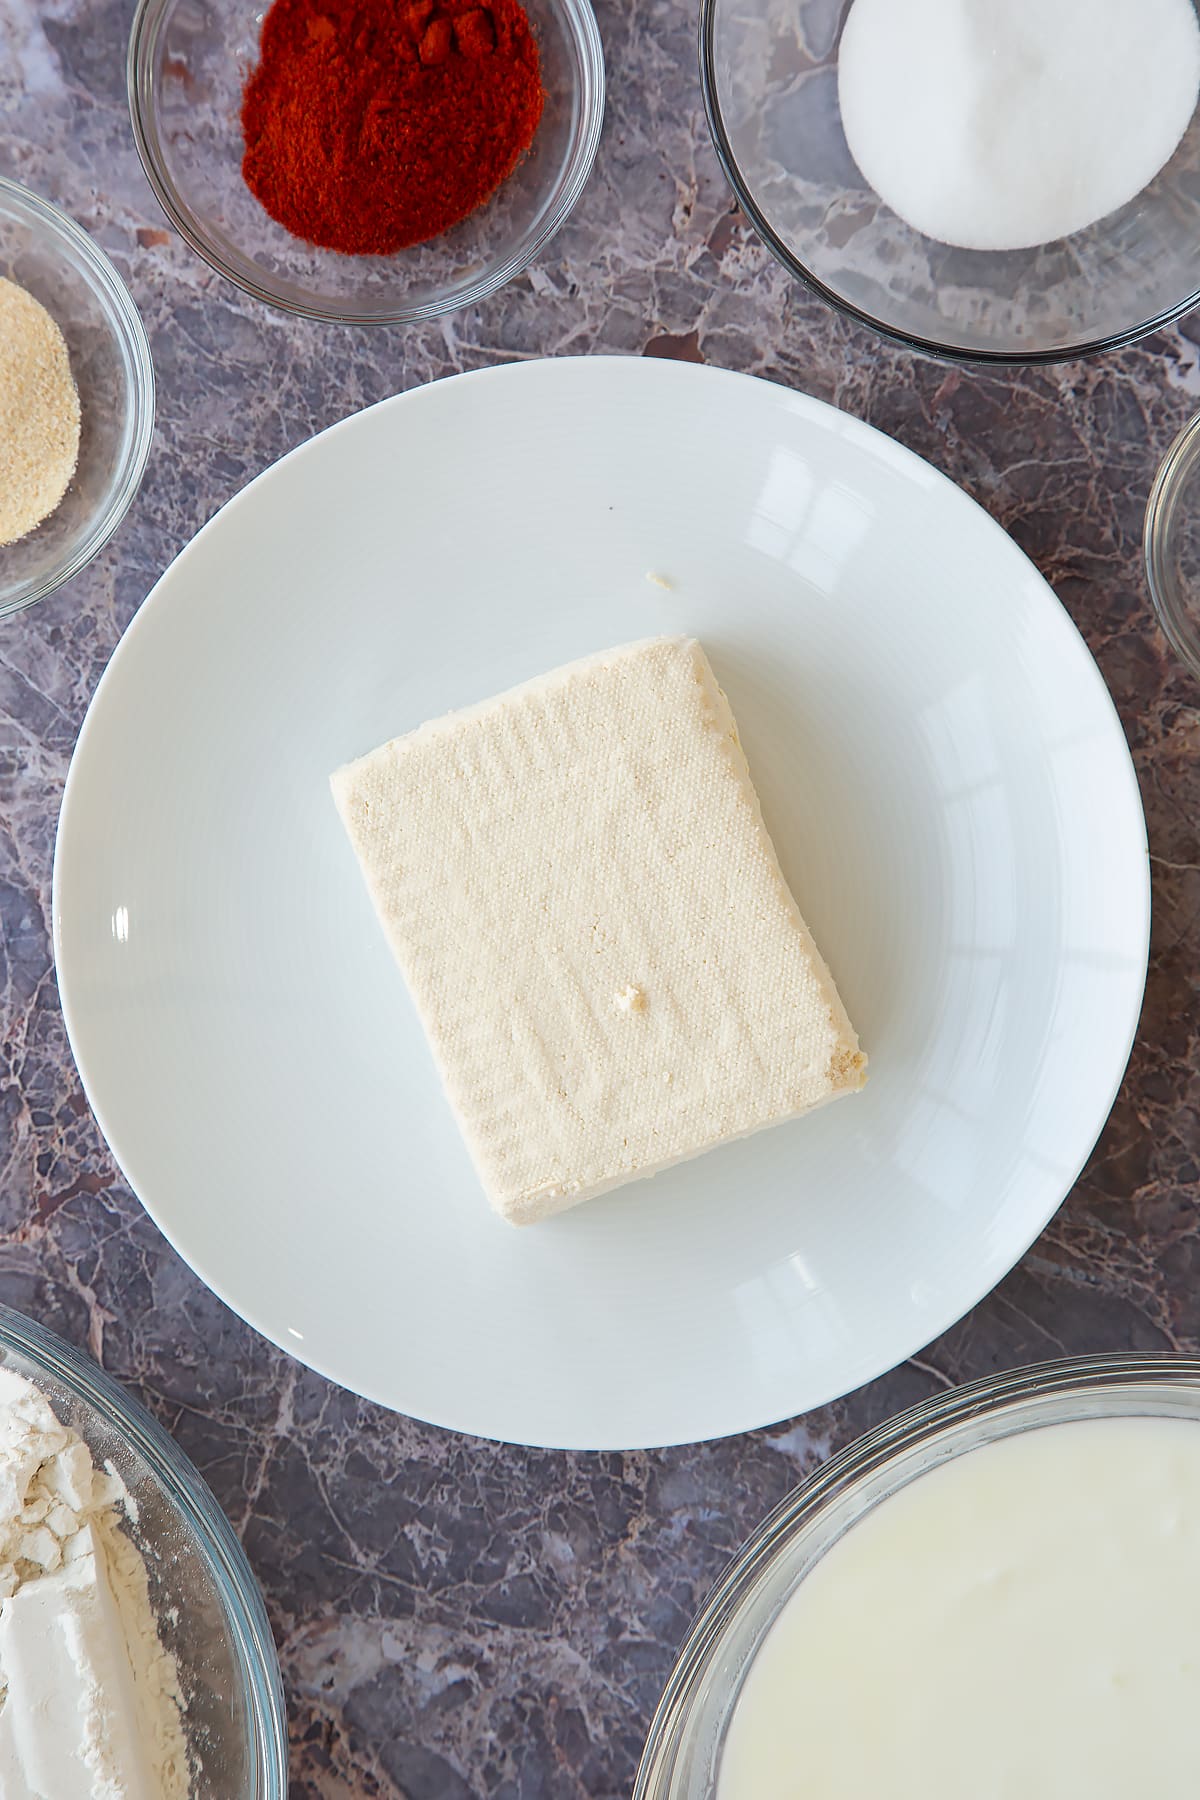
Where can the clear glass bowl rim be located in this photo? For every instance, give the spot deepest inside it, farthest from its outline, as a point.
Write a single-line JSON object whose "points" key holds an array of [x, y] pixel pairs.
{"points": [[744, 195], [129, 324], [83, 1377], [1170, 603], [994, 1394], [581, 20]]}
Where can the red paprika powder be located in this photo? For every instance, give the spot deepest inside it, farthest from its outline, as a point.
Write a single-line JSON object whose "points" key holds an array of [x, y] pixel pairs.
{"points": [[372, 124]]}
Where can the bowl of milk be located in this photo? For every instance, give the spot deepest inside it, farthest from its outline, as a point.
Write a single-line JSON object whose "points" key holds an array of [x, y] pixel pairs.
{"points": [[1013, 183], [994, 1594]]}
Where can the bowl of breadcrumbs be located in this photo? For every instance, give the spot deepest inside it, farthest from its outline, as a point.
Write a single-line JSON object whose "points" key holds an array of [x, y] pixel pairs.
{"points": [[76, 398]]}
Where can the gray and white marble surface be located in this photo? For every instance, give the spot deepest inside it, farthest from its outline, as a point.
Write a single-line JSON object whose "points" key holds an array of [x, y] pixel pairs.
{"points": [[456, 1618]]}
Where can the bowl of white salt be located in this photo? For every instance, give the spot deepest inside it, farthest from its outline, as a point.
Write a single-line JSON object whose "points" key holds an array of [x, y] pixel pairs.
{"points": [[136, 1658], [1013, 183], [76, 398]]}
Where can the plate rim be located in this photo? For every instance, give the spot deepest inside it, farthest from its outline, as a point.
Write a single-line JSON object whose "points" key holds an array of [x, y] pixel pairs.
{"points": [[863, 434]]}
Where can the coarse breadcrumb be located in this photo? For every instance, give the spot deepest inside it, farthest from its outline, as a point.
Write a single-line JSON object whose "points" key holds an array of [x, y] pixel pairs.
{"points": [[39, 413]]}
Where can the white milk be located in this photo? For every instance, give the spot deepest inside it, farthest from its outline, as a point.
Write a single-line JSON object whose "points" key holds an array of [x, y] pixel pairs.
{"points": [[1000, 124], [1020, 1624]]}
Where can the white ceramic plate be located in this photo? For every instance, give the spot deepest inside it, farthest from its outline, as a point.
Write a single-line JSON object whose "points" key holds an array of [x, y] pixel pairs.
{"points": [[938, 760]]}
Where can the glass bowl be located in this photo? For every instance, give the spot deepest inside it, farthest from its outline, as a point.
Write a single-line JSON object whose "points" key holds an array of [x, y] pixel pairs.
{"points": [[769, 74], [188, 63], [682, 1753], [45, 252], [1172, 545], [211, 1613]]}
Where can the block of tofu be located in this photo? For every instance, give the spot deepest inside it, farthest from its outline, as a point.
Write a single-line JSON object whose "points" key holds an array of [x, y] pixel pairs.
{"points": [[577, 883]]}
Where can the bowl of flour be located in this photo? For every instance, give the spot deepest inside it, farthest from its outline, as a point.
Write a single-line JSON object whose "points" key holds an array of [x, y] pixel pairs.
{"points": [[136, 1661], [996, 183]]}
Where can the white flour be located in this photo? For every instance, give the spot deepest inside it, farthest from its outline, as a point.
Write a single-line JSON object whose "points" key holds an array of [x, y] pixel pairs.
{"points": [[1001, 124], [89, 1699]]}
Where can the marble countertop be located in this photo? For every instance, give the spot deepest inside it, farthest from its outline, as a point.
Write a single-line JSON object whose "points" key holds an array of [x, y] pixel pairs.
{"points": [[457, 1618]]}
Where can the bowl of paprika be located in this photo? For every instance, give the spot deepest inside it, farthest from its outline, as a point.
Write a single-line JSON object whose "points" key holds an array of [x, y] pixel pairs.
{"points": [[367, 161]]}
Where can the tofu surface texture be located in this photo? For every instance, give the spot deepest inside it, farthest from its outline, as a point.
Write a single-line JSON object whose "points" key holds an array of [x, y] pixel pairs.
{"points": [[577, 883]]}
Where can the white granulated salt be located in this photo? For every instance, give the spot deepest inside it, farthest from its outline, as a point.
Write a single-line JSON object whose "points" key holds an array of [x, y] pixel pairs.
{"points": [[90, 1707], [1003, 124]]}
